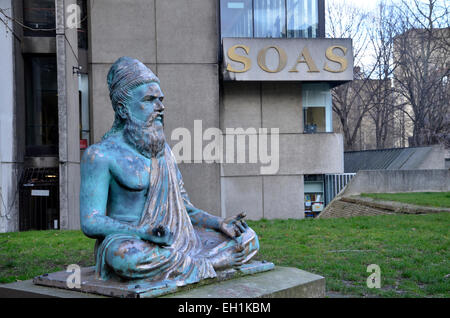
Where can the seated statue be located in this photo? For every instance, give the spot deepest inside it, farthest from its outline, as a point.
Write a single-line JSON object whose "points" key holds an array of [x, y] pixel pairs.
{"points": [[133, 201]]}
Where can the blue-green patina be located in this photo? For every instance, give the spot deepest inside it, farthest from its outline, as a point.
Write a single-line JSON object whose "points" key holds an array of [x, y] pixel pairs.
{"points": [[133, 199]]}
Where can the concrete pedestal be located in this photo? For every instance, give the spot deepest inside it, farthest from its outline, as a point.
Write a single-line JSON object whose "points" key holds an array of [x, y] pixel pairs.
{"points": [[281, 282]]}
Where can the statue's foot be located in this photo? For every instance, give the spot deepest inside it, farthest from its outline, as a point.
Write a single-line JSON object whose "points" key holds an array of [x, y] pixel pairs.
{"points": [[229, 258]]}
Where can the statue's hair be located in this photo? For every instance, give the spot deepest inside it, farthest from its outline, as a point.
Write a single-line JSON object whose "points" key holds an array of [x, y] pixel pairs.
{"points": [[123, 76]]}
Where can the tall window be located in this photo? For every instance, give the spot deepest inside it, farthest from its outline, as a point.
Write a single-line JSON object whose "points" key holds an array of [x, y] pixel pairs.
{"points": [[82, 30], [237, 18], [302, 19], [41, 105], [317, 108], [270, 18], [39, 14]]}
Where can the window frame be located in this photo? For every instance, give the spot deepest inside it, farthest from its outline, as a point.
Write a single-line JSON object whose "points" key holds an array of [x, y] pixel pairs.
{"points": [[320, 21], [309, 90]]}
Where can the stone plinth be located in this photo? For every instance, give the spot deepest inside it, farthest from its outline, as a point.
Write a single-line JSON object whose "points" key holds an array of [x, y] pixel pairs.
{"points": [[279, 282]]}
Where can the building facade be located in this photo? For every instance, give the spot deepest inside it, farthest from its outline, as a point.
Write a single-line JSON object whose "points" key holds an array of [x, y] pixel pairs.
{"points": [[247, 97]]}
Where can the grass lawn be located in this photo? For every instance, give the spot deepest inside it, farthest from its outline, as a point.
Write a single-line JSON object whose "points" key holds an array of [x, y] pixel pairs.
{"points": [[436, 199], [411, 250]]}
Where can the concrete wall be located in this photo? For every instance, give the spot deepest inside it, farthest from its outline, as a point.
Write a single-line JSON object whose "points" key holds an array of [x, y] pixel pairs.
{"points": [[279, 194], [178, 40], [68, 119], [9, 167], [385, 181], [435, 159]]}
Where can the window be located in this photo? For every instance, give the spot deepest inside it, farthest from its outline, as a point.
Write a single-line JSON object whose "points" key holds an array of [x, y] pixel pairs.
{"points": [[303, 18], [317, 111], [41, 106], [39, 14], [82, 30], [271, 18], [314, 194], [237, 18]]}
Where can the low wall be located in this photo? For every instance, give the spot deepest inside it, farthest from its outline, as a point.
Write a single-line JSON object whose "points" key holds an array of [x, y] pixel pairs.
{"points": [[389, 181]]}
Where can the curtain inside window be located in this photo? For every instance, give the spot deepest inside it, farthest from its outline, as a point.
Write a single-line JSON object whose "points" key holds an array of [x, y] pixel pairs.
{"points": [[236, 18], [270, 18], [303, 18]]}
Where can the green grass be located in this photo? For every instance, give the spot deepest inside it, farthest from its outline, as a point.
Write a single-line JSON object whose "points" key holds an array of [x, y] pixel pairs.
{"points": [[434, 199], [24, 255], [411, 250]]}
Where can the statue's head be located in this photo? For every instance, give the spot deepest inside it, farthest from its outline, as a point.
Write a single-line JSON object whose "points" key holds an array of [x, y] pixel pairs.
{"points": [[136, 98]]}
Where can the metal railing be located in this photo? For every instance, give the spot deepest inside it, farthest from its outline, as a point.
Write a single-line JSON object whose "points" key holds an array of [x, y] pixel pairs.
{"points": [[334, 183]]}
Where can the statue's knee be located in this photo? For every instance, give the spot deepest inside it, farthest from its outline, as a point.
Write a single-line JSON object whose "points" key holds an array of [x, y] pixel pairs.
{"points": [[255, 243], [124, 255], [133, 259]]}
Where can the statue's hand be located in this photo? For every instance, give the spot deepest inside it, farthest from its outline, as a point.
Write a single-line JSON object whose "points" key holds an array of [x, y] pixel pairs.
{"points": [[234, 226], [162, 235], [159, 235]]}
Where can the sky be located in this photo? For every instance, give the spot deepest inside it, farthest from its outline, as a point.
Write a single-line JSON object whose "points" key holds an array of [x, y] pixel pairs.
{"points": [[366, 4]]}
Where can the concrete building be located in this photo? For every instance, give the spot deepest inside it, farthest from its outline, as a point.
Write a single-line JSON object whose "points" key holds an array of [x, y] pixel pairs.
{"points": [[252, 69], [40, 142]]}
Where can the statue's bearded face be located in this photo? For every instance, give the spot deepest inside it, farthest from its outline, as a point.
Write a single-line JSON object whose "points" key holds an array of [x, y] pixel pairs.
{"points": [[144, 113]]}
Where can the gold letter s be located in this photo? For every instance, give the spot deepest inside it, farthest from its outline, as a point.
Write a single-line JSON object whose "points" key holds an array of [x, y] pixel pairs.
{"points": [[232, 55], [336, 58]]}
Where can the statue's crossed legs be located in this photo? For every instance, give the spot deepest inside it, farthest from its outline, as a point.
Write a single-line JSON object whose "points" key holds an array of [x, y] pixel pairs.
{"points": [[130, 257]]}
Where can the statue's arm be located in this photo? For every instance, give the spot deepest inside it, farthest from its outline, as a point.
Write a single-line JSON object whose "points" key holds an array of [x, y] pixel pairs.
{"points": [[202, 218], [233, 226], [197, 216], [95, 179]]}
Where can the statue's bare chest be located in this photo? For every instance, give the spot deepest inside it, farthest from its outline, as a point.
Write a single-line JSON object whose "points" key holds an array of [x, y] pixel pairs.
{"points": [[132, 172]]}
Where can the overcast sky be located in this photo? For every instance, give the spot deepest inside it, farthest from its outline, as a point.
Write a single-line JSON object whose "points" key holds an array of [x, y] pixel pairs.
{"points": [[366, 4]]}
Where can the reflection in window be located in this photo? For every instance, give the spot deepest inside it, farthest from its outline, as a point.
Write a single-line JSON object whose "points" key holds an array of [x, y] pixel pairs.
{"points": [[317, 108], [303, 18], [39, 14], [314, 119], [236, 18], [270, 18], [41, 105], [82, 30]]}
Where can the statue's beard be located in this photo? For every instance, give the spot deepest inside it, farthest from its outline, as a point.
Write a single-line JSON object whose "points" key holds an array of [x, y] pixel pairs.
{"points": [[149, 140]]}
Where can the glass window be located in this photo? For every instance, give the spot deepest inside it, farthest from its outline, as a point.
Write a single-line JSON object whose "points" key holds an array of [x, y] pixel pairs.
{"points": [[82, 30], [303, 18], [270, 18], [317, 108], [39, 14], [41, 105], [236, 18]]}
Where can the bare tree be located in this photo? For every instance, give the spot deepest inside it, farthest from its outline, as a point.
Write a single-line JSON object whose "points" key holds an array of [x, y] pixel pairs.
{"points": [[380, 92], [348, 21], [406, 79], [422, 55]]}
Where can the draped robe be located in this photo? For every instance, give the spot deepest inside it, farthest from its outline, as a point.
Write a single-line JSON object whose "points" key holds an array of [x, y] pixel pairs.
{"points": [[188, 259]]}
